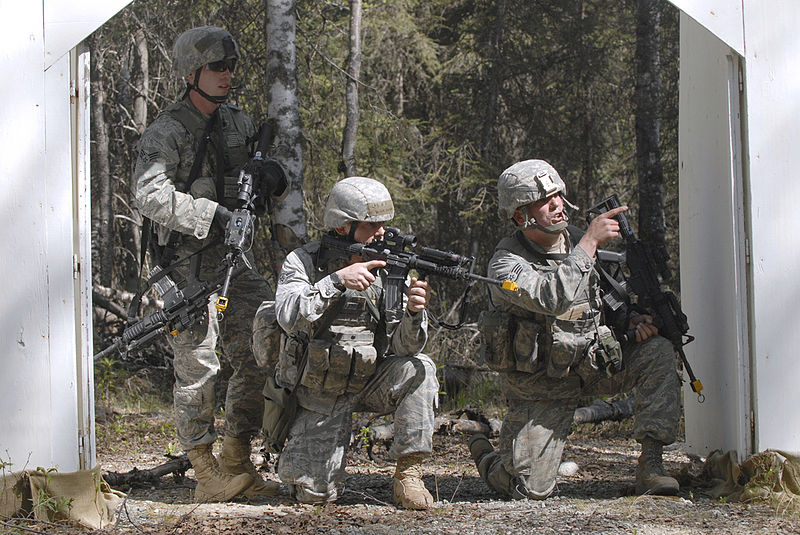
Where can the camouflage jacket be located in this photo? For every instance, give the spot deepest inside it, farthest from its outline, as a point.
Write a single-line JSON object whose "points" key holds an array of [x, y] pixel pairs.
{"points": [[341, 359], [556, 311], [166, 153]]}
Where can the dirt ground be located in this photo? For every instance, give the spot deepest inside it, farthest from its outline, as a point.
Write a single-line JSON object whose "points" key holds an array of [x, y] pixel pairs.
{"points": [[597, 499]]}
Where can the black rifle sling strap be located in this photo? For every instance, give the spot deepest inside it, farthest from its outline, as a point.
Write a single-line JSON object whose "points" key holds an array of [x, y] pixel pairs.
{"points": [[220, 159], [323, 323]]}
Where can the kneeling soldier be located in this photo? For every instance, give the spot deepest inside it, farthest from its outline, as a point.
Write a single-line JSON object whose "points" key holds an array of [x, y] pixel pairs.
{"points": [[360, 356], [551, 342]]}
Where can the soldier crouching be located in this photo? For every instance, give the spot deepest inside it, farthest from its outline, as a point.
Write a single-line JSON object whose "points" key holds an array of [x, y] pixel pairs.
{"points": [[358, 355]]}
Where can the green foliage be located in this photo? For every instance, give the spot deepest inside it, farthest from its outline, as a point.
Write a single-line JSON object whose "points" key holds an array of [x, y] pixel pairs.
{"points": [[451, 93], [105, 378]]}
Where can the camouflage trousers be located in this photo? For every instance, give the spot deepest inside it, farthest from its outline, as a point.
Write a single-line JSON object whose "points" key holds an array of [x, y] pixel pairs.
{"points": [[197, 353], [534, 431], [313, 461]]}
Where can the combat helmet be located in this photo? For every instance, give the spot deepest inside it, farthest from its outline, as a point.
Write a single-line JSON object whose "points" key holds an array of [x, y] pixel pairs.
{"points": [[357, 198], [526, 182], [200, 46]]}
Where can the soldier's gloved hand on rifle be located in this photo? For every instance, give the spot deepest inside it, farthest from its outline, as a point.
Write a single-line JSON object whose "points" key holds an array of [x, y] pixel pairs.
{"points": [[222, 216], [269, 180]]}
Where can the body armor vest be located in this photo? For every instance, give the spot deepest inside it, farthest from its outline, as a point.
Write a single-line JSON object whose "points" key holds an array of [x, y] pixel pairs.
{"points": [[524, 341]]}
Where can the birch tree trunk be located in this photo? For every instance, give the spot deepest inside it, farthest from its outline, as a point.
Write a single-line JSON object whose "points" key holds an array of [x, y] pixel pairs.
{"points": [[130, 229], [351, 97], [281, 73], [648, 104], [141, 81]]}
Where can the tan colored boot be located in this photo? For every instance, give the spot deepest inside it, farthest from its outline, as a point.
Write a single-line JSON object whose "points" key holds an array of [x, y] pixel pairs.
{"points": [[409, 490], [235, 459], [212, 484], [650, 475]]}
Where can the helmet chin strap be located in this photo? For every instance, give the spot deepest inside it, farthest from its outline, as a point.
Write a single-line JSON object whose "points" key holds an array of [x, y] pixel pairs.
{"points": [[551, 229], [196, 87]]}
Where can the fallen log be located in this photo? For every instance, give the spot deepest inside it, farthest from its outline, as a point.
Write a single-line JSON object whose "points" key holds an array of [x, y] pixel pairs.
{"points": [[177, 466]]}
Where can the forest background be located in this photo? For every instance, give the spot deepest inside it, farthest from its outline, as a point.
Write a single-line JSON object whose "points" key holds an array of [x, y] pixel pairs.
{"points": [[432, 97]]}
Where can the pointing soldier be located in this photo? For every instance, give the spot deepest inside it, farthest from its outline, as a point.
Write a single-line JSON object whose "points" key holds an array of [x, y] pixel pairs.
{"points": [[553, 346]]}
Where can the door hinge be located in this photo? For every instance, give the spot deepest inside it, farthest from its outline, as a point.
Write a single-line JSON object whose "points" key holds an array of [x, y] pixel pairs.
{"points": [[747, 250], [76, 267]]}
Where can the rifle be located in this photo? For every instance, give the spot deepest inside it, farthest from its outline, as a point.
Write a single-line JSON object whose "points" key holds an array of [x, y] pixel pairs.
{"points": [[185, 305], [644, 282], [399, 262], [257, 180]]}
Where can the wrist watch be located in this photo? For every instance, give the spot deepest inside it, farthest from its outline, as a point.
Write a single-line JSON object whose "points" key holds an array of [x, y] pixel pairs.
{"points": [[337, 282]]}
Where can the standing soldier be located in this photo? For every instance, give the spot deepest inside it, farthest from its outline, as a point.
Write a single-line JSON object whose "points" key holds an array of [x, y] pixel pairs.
{"points": [[360, 356], [552, 343], [185, 182]]}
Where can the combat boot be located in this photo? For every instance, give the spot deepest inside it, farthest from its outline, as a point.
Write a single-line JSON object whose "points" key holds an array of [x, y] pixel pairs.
{"points": [[650, 475], [409, 490], [235, 459], [212, 484]]}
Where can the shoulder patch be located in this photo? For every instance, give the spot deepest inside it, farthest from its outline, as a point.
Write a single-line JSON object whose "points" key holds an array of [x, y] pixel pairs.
{"points": [[515, 272], [150, 156], [284, 278]]}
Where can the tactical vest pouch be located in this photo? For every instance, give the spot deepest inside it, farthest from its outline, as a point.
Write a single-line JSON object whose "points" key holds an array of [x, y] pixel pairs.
{"points": [[569, 344], [231, 192], [496, 348], [365, 359], [526, 345], [266, 336], [339, 370], [317, 365], [605, 354], [280, 409], [291, 351]]}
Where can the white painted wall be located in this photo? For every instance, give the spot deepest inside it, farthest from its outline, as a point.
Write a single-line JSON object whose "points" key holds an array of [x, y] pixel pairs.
{"points": [[713, 273], [46, 390], [772, 56], [723, 18], [741, 312]]}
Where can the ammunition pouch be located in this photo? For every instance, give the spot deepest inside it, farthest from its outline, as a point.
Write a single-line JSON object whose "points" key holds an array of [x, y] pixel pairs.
{"points": [[527, 344], [567, 347], [342, 364], [498, 329], [510, 343], [605, 353], [280, 409]]}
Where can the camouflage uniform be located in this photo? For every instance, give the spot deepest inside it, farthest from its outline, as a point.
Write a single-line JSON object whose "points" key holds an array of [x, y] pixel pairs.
{"points": [[552, 353], [166, 153], [367, 360]]}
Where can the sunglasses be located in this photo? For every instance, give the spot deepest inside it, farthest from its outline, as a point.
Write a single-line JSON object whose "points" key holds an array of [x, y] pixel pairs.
{"points": [[222, 65]]}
